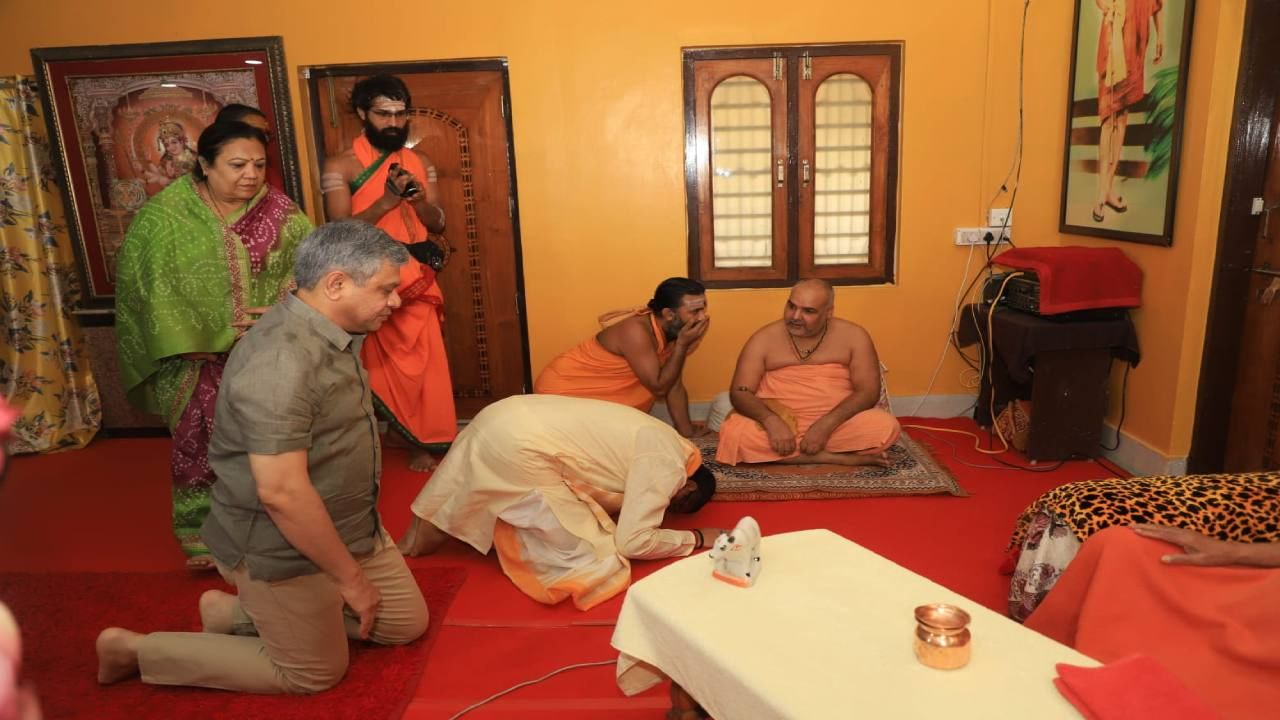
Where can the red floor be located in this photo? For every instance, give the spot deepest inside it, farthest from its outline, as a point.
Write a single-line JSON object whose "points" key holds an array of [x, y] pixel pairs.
{"points": [[107, 508]]}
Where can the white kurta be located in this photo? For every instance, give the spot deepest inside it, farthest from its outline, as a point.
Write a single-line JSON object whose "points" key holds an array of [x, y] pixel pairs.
{"points": [[579, 460]]}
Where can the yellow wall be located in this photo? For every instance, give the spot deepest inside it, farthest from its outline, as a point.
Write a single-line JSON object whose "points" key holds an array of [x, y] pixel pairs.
{"points": [[596, 97], [1177, 279]]}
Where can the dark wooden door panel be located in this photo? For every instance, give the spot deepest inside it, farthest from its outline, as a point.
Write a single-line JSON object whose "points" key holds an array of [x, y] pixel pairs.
{"points": [[1255, 407]]}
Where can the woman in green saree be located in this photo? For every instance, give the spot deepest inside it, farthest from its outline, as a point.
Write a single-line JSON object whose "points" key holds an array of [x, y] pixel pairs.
{"points": [[202, 258]]}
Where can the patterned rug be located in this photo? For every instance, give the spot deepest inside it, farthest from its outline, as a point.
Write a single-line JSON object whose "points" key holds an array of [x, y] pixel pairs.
{"points": [[912, 471]]}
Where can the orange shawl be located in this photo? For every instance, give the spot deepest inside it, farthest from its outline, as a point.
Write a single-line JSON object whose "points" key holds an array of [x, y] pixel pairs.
{"points": [[591, 371]]}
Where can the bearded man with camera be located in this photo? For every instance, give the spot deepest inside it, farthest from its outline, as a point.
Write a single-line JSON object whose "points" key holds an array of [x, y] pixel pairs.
{"points": [[383, 182]]}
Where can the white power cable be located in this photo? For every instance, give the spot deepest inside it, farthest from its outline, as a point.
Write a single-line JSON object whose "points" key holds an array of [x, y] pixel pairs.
{"points": [[1015, 171], [527, 683], [955, 317]]}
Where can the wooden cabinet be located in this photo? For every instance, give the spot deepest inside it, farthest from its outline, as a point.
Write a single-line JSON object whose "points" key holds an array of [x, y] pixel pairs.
{"points": [[1061, 366]]}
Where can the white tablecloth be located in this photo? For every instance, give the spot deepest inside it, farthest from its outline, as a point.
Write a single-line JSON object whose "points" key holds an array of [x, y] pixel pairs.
{"points": [[826, 632]]}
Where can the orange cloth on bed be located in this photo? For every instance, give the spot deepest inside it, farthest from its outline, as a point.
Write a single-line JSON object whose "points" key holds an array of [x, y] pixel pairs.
{"points": [[809, 391], [1134, 688], [591, 371], [1215, 628], [405, 358]]}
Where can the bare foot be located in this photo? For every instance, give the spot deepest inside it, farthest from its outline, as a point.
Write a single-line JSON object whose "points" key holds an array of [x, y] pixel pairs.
{"points": [[217, 611], [117, 655], [422, 538], [881, 459], [200, 563], [421, 461], [833, 458]]}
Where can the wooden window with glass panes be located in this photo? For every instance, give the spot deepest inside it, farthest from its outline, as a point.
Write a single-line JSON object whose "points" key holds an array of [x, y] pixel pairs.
{"points": [[791, 162]]}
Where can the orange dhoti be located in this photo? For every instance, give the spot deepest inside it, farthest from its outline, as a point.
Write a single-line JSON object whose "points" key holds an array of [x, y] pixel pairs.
{"points": [[405, 358], [809, 392], [1215, 628], [590, 371], [409, 370]]}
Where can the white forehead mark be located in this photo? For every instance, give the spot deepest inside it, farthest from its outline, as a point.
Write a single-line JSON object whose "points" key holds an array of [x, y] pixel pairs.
{"points": [[382, 103]]}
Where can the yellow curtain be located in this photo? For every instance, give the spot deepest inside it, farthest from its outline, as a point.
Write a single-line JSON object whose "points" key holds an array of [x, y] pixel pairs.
{"points": [[44, 369]]}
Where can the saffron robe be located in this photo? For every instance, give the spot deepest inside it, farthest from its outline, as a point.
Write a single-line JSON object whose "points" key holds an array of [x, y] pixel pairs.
{"points": [[591, 371], [1215, 628], [405, 358], [809, 392]]}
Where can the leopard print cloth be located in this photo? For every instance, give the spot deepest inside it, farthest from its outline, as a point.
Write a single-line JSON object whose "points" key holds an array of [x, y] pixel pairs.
{"points": [[1239, 506]]}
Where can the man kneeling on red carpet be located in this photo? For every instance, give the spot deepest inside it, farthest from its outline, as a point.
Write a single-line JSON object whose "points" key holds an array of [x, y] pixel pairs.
{"points": [[293, 523]]}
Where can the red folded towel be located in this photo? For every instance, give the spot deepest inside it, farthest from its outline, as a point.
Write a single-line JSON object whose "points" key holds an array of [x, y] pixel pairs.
{"points": [[1133, 688], [1078, 278]]}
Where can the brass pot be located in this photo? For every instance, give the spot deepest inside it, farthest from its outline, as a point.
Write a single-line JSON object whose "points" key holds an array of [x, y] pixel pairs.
{"points": [[942, 636]]}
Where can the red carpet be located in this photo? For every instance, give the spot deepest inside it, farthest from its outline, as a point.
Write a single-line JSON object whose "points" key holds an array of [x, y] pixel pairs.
{"points": [[106, 508], [62, 614]]}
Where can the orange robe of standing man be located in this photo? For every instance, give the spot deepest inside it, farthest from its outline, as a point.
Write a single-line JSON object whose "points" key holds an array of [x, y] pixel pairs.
{"points": [[591, 371], [405, 358]]}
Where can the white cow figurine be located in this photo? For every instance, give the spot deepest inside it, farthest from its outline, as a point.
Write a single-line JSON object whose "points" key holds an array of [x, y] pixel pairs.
{"points": [[736, 555]]}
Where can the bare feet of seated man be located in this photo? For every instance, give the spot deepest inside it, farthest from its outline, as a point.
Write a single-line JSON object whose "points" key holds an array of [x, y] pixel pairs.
{"points": [[422, 538], [781, 428]]}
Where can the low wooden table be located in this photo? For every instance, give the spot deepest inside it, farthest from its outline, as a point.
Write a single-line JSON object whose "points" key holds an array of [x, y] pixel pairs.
{"points": [[825, 633]]}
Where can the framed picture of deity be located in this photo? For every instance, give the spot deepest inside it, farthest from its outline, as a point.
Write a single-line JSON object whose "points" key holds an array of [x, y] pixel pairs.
{"points": [[124, 121], [1125, 104]]}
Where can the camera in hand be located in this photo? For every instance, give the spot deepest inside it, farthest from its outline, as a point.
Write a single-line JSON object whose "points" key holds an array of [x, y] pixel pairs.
{"points": [[411, 189]]}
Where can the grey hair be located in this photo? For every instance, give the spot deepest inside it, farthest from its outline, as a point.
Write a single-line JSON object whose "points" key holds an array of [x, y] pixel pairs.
{"points": [[353, 246]]}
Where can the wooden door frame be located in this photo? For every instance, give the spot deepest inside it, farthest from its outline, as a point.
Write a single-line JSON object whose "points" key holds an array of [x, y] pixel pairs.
{"points": [[1248, 150], [310, 77]]}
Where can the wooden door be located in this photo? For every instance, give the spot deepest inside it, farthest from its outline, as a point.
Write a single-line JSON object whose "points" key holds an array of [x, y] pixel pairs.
{"points": [[460, 120], [1254, 430]]}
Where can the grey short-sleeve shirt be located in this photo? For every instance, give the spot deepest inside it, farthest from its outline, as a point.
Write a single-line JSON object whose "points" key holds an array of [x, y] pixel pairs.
{"points": [[294, 382]]}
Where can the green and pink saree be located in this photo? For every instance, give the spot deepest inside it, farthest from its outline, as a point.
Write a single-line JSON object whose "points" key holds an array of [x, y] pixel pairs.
{"points": [[182, 278]]}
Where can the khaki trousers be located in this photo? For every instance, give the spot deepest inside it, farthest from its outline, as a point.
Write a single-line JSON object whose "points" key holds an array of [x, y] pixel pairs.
{"points": [[288, 636]]}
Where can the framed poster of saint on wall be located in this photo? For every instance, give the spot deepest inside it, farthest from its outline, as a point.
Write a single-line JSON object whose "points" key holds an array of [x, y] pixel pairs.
{"points": [[1124, 118], [124, 120]]}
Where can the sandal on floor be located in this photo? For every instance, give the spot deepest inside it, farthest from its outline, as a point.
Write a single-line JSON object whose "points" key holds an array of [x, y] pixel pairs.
{"points": [[200, 563]]}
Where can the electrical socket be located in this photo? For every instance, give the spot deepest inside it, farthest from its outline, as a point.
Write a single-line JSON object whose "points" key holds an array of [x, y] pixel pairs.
{"points": [[997, 217], [974, 236]]}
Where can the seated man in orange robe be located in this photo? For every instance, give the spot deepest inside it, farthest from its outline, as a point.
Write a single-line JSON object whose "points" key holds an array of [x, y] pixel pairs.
{"points": [[805, 390], [639, 354], [1207, 613]]}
